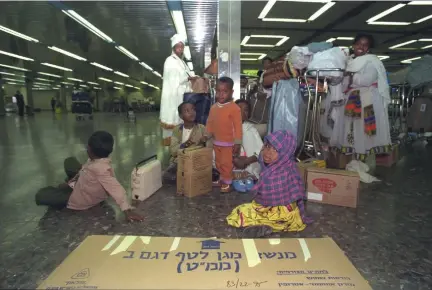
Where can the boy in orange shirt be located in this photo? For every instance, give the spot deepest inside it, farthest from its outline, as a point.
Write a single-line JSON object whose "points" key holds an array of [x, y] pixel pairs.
{"points": [[224, 126]]}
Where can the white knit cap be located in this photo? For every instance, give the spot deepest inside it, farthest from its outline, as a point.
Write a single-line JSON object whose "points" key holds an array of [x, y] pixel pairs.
{"points": [[177, 38]]}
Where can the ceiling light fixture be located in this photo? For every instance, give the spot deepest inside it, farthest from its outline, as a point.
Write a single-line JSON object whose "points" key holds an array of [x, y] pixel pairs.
{"points": [[92, 83], [96, 88], [45, 80], [260, 55], [121, 74], [328, 4], [144, 83], [127, 52], [66, 83], [105, 80], [119, 83], [282, 40], [75, 16], [13, 80], [427, 46], [129, 86], [146, 66], [83, 86], [410, 59], [156, 74], [187, 52], [385, 12], [331, 39], [383, 57], [179, 23], [12, 83], [101, 66], [14, 67], [16, 33], [62, 51], [389, 23], [50, 75], [402, 44], [248, 59], [137, 88], [420, 3], [75, 80], [56, 66], [16, 55], [6, 73], [117, 88], [423, 19]]}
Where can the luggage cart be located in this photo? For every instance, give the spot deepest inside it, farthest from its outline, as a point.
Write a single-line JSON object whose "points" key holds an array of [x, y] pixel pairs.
{"points": [[310, 143], [83, 110]]}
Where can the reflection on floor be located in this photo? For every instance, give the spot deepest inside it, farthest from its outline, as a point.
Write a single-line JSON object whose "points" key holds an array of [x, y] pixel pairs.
{"points": [[387, 237]]}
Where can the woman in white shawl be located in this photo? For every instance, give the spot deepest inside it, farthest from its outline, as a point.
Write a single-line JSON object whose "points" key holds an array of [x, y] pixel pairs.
{"points": [[176, 77], [362, 127]]}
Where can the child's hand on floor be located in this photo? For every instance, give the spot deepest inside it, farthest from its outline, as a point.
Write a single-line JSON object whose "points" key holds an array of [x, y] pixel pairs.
{"points": [[133, 217]]}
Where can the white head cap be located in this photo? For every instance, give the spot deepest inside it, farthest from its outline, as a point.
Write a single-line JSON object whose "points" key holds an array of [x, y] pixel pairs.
{"points": [[177, 38]]}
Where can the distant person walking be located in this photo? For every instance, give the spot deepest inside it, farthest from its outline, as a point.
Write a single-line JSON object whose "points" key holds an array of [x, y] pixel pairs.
{"points": [[53, 103], [20, 103]]}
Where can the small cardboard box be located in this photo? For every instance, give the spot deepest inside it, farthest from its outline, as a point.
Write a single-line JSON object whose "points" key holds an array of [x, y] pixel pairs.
{"points": [[388, 160], [194, 171], [142, 262], [337, 160], [331, 186]]}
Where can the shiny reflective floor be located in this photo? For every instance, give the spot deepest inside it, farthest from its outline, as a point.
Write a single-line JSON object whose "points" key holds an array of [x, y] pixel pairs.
{"points": [[387, 237]]}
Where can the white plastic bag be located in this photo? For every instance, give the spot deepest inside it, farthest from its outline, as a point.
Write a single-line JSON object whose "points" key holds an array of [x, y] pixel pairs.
{"points": [[299, 57], [334, 58]]}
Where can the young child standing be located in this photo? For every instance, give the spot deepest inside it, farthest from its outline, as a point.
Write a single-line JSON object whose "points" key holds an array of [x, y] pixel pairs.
{"points": [[224, 126], [183, 136]]}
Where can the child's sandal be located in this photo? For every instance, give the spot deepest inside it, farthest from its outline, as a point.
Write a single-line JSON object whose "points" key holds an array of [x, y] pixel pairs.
{"points": [[225, 188]]}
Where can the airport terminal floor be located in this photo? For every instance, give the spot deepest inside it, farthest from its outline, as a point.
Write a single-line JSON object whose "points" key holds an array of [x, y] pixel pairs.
{"points": [[387, 237]]}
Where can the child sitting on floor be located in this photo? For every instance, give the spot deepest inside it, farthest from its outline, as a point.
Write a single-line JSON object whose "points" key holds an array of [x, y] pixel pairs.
{"points": [[280, 193], [183, 136], [92, 184], [224, 125]]}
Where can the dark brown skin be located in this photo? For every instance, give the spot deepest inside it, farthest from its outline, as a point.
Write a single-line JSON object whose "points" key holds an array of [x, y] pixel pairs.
{"points": [[269, 154], [361, 47], [242, 162], [266, 64]]}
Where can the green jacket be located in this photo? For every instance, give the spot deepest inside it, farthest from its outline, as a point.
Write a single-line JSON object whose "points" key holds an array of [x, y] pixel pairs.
{"points": [[197, 133]]}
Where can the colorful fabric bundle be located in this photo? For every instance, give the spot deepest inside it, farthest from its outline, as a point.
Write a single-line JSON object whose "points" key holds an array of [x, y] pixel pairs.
{"points": [[353, 107], [369, 120]]}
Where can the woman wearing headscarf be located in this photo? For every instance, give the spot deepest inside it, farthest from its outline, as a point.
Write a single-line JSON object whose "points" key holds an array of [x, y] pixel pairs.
{"points": [[278, 205], [363, 127], [176, 77]]}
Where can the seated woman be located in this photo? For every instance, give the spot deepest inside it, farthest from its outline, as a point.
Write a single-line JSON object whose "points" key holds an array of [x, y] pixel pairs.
{"points": [[279, 202], [251, 146]]}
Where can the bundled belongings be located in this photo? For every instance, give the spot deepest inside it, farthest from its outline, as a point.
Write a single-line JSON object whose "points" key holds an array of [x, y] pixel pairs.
{"points": [[260, 103], [334, 58], [279, 70], [420, 71], [299, 57], [200, 85]]}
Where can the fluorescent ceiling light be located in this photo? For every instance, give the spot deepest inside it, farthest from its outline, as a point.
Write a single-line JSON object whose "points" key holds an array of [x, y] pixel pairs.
{"points": [[66, 83], [15, 33], [13, 80], [56, 66], [129, 86], [14, 67], [83, 86], [16, 55], [105, 80], [267, 9], [75, 80], [96, 88], [190, 65], [101, 66], [11, 83], [344, 38], [157, 88], [127, 52], [427, 46], [41, 84], [410, 59], [50, 75], [389, 23], [331, 39], [260, 55], [6, 73], [117, 88], [156, 73], [144, 83], [425, 39], [187, 52], [146, 66], [45, 80], [402, 44], [137, 88], [423, 19], [75, 16], [245, 40], [121, 74], [282, 40], [321, 11], [248, 59], [420, 3], [383, 57], [284, 20], [386, 12], [67, 53], [119, 83], [179, 23], [92, 83]]}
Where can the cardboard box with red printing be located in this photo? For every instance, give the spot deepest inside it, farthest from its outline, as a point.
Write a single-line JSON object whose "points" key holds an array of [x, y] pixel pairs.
{"points": [[331, 186]]}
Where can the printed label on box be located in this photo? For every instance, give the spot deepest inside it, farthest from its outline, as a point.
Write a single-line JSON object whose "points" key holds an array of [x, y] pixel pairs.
{"points": [[315, 196], [324, 184]]}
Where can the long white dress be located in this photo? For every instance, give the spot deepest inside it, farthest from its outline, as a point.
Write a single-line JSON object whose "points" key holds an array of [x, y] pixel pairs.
{"points": [[348, 134], [175, 84]]}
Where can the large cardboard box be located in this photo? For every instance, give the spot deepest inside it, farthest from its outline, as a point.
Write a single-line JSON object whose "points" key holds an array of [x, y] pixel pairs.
{"points": [[131, 262], [305, 164], [331, 186], [194, 171]]}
